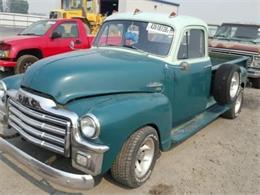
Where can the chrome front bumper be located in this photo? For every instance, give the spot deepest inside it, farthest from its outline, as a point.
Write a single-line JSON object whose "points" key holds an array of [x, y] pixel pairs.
{"points": [[253, 73], [64, 179], [93, 153]]}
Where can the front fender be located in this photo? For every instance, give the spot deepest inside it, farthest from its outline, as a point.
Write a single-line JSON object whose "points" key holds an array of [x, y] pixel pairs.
{"points": [[122, 115], [13, 82]]}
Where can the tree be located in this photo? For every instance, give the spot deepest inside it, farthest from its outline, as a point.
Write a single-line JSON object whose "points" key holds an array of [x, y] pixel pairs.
{"points": [[18, 6], [1, 5]]}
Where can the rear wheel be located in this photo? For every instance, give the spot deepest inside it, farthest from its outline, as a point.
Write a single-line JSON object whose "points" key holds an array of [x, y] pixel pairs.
{"points": [[24, 62], [226, 84], [235, 107], [134, 164]]}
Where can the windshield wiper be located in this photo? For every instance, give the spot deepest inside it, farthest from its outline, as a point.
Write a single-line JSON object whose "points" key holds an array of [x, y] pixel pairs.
{"points": [[221, 37], [135, 48], [244, 39], [254, 41], [28, 34], [107, 45]]}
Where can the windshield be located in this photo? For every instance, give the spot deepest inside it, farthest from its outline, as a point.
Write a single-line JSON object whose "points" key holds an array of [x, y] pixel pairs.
{"points": [[239, 32], [141, 36], [72, 4], [38, 28]]}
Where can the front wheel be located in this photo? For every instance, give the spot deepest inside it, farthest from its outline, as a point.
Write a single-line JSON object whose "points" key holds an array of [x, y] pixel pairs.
{"points": [[134, 164], [236, 107], [24, 62]]}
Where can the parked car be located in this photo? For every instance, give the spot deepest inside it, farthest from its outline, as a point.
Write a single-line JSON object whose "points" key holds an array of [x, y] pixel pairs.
{"points": [[147, 84], [42, 39], [212, 29], [243, 40]]}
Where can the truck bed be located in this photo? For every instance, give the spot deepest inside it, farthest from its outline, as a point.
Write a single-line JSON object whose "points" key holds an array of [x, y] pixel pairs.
{"points": [[218, 59]]}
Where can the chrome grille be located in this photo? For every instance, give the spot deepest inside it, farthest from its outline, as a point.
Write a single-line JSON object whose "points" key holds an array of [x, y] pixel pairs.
{"points": [[249, 61], [47, 131]]}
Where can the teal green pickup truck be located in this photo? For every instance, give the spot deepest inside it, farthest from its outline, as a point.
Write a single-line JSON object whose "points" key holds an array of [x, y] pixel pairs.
{"points": [[147, 84]]}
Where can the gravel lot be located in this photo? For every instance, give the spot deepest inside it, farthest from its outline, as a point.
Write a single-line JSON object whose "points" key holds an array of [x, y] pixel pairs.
{"points": [[223, 158]]}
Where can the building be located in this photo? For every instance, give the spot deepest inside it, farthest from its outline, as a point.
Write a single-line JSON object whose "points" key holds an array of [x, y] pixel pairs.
{"points": [[162, 6], [107, 7]]}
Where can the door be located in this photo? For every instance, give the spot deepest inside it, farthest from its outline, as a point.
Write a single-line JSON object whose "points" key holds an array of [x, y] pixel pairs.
{"points": [[192, 76], [68, 39]]}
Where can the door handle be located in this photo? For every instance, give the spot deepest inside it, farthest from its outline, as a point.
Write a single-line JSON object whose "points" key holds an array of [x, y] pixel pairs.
{"points": [[77, 42], [208, 66], [184, 66]]}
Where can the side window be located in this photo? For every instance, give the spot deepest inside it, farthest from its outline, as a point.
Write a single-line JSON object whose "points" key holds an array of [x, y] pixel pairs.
{"points": [[111, 35], [87, 29], [192, 45], [68, 30]]}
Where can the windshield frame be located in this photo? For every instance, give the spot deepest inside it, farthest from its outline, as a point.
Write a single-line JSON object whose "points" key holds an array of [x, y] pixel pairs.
{"points": [[22, 33], [95, 44]]}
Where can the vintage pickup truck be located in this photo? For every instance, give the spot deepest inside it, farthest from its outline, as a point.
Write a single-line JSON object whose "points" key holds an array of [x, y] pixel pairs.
{"points": [[147, 84], [43, 39], [240, 39]]}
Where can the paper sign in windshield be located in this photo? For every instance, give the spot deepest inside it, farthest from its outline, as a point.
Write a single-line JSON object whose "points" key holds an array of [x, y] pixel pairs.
{"points": [[158, 28]]}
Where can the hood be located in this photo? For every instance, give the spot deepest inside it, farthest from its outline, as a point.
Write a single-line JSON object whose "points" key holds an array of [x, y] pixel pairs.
{"points": [[17, 39], [235, 45], [93, 72]]}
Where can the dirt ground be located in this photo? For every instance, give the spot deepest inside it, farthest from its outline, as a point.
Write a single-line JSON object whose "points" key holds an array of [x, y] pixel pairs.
{"points": [[223, 158]]}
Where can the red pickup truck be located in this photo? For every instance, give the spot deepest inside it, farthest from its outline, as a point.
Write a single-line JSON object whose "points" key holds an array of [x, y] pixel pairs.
{"points": [[42, 39]]}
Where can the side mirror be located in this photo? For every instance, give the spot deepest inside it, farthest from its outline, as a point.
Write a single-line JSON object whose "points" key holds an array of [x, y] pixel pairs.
{"points": [[56, 35]]}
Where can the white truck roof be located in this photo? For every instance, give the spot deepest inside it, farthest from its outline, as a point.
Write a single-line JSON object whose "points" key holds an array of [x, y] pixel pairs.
{"points": [[176, 21], [179, 23]]}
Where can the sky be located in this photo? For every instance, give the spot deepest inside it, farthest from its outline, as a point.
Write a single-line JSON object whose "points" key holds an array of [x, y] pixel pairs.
{"points": [[212, 11], [217, 11]]}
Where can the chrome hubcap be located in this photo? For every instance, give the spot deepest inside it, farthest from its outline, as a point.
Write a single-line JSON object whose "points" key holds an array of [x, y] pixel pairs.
{"points": [[145, 157], [26, 66], [234, 85], [238, 103]]}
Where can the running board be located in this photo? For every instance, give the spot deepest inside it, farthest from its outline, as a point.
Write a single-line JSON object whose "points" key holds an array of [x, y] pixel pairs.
{"points": [[186, 130]]}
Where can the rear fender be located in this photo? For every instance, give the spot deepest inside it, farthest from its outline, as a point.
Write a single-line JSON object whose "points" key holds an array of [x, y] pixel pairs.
{"points": [[243, 76]]}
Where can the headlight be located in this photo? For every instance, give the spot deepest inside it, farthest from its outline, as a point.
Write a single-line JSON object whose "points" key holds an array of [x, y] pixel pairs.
{"points": [[2, 89], [4, 50], [90, 126], [256, 62], [4, 53]]}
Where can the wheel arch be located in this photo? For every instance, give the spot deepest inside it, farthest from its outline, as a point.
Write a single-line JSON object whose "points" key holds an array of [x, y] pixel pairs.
{"points": [[157, 129], [243, 77], [33, 51]]}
